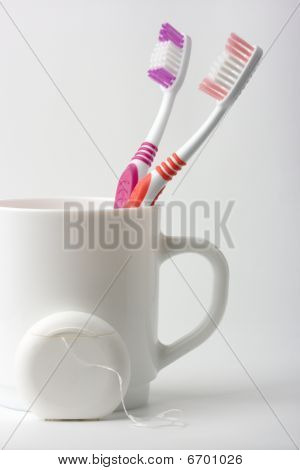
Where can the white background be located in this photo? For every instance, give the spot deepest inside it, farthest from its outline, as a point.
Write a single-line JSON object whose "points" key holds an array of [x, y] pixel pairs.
{"points": [[97, 52]]}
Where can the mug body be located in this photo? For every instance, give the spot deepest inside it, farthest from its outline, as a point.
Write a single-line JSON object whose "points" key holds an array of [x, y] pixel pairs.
{"points": [[58, 255]]}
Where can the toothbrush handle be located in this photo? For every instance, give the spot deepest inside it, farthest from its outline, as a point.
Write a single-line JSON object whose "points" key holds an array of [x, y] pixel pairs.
{"points": [[135, 171], [195, 142], [143, 158], [147, 190], [160, 122]]}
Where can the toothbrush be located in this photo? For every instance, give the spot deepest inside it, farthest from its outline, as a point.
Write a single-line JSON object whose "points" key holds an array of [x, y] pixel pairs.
{"points": [[227, 78], [168, 66]]}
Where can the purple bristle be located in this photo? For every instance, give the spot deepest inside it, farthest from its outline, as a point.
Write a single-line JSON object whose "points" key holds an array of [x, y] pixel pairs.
{"points": [[168, 29], [168, 33], [162, 76]]}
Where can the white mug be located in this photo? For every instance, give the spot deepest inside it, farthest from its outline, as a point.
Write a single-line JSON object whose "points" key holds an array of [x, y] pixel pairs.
{"points": [[42, 273]]}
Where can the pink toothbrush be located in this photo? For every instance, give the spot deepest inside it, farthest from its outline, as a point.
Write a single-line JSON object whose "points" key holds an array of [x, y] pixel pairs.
{"points": [[227, 78], [168, 66]]}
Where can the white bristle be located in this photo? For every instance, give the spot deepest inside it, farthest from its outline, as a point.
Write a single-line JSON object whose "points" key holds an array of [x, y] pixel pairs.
{"points": [[232, 70], [166, 55], [226, 70]]}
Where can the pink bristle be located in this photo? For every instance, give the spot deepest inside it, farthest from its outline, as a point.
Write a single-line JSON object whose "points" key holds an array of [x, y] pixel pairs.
{"points": [[215, 86], [236, 53], [211, 92], [242, 41], [240, 48]]}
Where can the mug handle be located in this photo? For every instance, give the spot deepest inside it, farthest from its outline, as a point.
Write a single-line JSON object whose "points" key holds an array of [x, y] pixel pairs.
{"points": [[169, 353]]}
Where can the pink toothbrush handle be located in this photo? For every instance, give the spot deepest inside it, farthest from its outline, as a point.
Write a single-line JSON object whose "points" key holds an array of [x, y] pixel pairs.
{"points": [[147, 191], [135, 171]]}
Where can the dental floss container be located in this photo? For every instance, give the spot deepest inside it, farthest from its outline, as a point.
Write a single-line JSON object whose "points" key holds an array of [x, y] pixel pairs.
{"points": [[72, 365]]}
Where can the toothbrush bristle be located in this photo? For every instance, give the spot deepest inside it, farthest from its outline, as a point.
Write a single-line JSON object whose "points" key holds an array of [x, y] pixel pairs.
{"points": [[168, 33], [228, 68], [213, 89], [167, 56], [162, 76]]}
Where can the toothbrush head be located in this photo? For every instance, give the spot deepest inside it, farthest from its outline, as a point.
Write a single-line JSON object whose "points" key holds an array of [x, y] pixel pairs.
{"points": [[170, 58], [232, 70]]}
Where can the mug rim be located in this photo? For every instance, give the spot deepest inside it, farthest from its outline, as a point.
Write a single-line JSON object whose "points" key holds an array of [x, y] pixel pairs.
{"points": [[56, 204]]}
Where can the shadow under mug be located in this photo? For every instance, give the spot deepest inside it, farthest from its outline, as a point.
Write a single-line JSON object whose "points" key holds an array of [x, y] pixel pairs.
{"points": [[81, 254]]}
